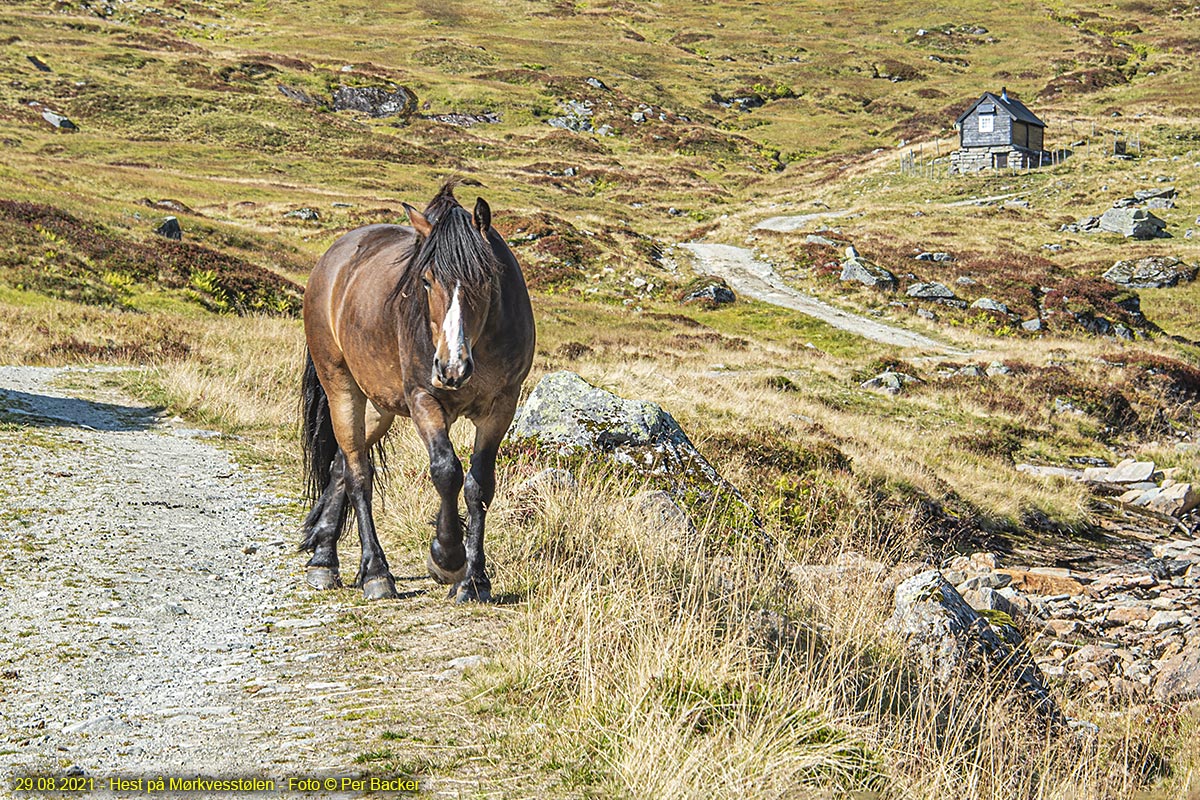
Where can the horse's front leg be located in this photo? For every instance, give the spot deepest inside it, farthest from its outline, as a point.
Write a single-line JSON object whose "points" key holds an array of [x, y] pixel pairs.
{"points": [[447, 561], [480, 489]]}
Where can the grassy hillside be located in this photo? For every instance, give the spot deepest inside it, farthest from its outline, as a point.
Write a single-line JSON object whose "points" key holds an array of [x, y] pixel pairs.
{"points": [[698, 120]]}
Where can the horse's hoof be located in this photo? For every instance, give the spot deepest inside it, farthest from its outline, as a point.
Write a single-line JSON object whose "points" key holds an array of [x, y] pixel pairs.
{"points": [[444, 576], [323, 578], [472, 592], [381, 588]]}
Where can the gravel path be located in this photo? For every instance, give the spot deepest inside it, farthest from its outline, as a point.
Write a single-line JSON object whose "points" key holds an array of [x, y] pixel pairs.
{"points": [[755, 278], [795, 222], [155, 621]]}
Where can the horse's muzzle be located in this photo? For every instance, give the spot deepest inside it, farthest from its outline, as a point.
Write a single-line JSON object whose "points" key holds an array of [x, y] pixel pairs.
{"points": [[452, 375]]}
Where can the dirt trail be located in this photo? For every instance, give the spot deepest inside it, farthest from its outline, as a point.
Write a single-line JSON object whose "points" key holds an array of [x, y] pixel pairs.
{"points": [[155, 621], [757, 279]]}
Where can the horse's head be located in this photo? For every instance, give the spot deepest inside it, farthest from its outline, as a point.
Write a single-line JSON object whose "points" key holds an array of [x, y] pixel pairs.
{"points": [[458, 271]]}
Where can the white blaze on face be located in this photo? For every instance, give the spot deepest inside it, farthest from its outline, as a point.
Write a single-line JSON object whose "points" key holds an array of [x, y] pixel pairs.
{"points": [[453, 334]]}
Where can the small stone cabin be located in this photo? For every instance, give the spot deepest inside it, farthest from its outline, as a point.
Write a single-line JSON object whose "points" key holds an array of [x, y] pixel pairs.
{"points": [[998, 132]]}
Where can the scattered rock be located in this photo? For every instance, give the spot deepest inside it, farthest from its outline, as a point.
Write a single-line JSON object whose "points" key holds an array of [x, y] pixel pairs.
{"points": [[167, 204], [577, 117], [997, 368], [823, 241], [938, 257], [1146, 195], [1179, 678], [1051, 472], [59, 121], [169, 229], [1134, 223], [930, 291], [951, 639], [466, 120], [860, 270], [377, 101], [987, 304], [1127, 471], [1036, 582], [1151, 272], [713, 293], [1085, 225], [1032, 325], [299, 95], [890, 382], [305, 214], [1174, 500]]}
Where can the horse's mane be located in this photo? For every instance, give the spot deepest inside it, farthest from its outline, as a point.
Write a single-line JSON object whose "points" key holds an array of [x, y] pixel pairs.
{"points": [[454, 251]]}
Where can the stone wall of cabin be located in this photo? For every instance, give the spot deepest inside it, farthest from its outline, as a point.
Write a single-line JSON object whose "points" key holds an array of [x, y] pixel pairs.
{"points": [[976, 159]]}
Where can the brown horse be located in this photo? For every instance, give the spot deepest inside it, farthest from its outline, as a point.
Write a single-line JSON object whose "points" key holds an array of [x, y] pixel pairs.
{"points": [[431, 322]]}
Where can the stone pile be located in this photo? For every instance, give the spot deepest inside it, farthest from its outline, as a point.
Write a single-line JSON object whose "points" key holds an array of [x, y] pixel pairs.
{"points": [[1135, 483], [1131, 631]]}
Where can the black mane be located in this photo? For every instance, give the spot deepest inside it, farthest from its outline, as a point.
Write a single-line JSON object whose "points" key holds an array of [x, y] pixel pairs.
{"points": [[454, 251]]}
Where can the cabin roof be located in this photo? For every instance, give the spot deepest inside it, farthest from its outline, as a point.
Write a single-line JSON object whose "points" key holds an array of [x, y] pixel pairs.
{"points": [[1010, 104]]}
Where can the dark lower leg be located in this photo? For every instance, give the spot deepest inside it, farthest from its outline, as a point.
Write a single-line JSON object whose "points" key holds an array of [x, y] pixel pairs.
{"points": [[480, 488], [446, 551], [373, 574], [323, 528]]}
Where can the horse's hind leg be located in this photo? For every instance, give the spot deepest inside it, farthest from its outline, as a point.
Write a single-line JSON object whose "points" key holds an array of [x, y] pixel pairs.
{"points": [[358, 425], [324, 527]]}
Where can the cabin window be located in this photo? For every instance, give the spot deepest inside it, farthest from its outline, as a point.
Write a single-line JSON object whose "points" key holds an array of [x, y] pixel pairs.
{"points": [[987, 123]]}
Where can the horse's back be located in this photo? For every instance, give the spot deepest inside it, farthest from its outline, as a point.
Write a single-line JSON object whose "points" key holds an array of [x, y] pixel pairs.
{"points": [[346, 292], [362, 246], [358, 261]]}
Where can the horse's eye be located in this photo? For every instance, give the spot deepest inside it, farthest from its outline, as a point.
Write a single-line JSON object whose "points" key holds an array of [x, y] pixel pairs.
{"points": [[425, 283]]}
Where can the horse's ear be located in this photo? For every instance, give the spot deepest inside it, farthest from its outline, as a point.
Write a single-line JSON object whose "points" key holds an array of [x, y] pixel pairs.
{"points": [[418, 221], [483, 215]]}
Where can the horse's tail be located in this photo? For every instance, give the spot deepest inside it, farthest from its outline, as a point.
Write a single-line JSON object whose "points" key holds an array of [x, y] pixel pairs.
{"points": [[320, 448]]}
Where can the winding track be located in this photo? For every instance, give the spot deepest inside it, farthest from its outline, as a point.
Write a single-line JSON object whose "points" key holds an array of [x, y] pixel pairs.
{"points": [[757, 279]]}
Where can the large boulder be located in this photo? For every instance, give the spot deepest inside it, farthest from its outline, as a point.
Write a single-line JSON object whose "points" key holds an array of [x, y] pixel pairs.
{"points": [[1152, 272], [952, 641], [567, 412], [1135, 223], [378, 101]]}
